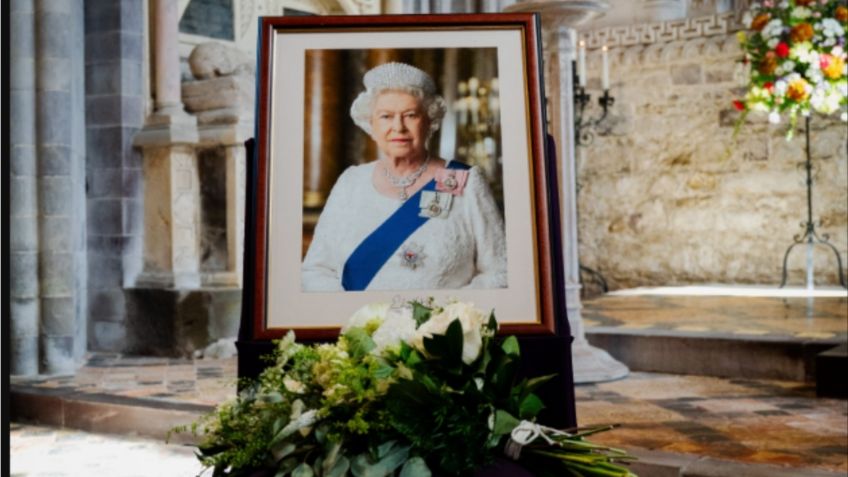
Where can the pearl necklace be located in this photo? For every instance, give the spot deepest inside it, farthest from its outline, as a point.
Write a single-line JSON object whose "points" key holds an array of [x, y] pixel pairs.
{"points": [[403, 182]]}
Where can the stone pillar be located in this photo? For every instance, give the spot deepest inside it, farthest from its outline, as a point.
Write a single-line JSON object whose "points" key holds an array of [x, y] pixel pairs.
{"points": [[172, 189], [590, 364], [58, 108], [23, 193], [194, 213], [223, 101], [114, 33], [48, 292]]}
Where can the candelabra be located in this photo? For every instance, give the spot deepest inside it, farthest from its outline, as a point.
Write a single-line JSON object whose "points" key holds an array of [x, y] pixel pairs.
{"points": [[583, 125], [477, 110]]}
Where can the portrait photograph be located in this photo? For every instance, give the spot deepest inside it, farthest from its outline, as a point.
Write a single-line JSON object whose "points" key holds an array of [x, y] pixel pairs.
{"points": [[385, 173], [401, 164]]}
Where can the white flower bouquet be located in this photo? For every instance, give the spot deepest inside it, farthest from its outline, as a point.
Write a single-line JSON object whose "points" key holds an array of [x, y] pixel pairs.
{"points": [[407, 391]]}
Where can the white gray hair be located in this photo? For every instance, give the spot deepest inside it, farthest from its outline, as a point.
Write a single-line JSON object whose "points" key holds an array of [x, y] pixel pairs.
{"points": [[403, 78]]}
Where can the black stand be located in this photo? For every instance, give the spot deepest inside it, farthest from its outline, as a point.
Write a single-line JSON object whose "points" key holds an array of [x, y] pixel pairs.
{"points": [[541, 355], [810, 236]]}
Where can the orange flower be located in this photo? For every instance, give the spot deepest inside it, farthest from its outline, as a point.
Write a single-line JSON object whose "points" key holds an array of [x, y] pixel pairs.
{"points": [[832, 66], [768, 63], [841, 13], [801, 32], [760, 21], [797, 90]]}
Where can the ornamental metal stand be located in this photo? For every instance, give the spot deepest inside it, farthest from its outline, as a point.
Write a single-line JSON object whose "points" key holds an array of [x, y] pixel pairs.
{"points": [[584, 136], [810, 237]]}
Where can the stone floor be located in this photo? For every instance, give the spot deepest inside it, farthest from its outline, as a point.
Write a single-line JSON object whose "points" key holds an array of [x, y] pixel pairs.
{"points": [[754, 421], [203, 381], [44, 451]]}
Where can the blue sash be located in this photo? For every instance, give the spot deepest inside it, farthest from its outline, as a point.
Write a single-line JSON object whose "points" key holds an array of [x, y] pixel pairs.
{"points": [[370, 256]]}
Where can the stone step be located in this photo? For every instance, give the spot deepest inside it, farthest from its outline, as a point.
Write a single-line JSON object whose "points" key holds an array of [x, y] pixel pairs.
{"points": [[713, 354], [104, 413], [831, 372]]}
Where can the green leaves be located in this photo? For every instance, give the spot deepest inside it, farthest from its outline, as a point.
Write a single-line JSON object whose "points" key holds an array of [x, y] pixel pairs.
{"points": [[389, 456], [415, 467], [511, 347], [359, 343], [504, 423], [303, 470], [530, 407], [448, 346], [420, 313]]}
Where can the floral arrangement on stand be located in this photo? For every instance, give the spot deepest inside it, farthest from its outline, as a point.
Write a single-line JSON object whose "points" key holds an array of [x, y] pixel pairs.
{"points": [[410, 391], [796, 58]]}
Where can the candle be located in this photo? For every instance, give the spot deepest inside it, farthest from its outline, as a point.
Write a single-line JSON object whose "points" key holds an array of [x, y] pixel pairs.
{"points": [[581, 64], [474, 106], [462, 111], [473, 84], [572, 35], [605, 70]]}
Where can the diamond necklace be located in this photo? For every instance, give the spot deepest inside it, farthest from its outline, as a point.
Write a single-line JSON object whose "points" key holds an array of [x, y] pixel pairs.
{"points": [[403, 182]]}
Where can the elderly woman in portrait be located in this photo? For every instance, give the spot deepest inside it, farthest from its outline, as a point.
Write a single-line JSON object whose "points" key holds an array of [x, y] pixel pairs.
{"points": [[408, 220]]}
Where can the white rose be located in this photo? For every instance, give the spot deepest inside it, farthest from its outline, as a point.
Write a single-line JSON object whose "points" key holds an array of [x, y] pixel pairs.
{"points": [[472, 321], [397, 327], [366, 314], [293, 386]]}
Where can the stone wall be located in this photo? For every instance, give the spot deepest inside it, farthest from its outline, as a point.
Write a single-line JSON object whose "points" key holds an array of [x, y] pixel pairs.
{"points": [[665, 196]]}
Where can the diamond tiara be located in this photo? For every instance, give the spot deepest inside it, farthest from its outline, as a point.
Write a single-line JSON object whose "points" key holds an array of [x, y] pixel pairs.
{"points": [[398, 75]]}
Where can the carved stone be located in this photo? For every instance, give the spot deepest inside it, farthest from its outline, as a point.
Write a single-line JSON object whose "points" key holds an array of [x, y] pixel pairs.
{"points": [[214, 60]]}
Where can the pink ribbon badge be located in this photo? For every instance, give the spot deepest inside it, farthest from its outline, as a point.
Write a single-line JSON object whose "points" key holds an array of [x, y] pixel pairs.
{"points": [[451, 180]]}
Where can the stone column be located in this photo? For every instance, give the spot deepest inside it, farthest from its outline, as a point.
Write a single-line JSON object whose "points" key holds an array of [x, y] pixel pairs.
{"points": [[223, 99], [58, 36], [559, 17], [23, 193], [48, 291], [172, 189], [114, 39]]}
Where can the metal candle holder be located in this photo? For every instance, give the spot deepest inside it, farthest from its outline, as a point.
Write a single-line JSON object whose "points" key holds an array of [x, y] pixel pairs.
{"points": [[583, 126]]}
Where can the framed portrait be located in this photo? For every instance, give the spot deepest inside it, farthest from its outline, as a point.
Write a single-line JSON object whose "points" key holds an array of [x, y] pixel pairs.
{"points": [[398, 158]]}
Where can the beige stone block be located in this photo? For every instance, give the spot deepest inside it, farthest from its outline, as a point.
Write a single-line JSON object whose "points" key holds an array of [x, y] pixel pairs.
{"points": [[218, 93]]}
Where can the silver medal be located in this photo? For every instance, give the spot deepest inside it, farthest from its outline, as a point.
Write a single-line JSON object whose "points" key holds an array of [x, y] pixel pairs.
{"points": [[411, 255]]}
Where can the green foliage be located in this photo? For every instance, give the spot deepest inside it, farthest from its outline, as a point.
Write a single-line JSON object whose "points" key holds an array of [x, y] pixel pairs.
{"points": [[420, 312], [444, 408], [341, 410]]}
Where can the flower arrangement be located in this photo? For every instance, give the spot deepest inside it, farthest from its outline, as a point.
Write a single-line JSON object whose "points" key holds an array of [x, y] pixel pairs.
{"points": [[409, 391], [796, 57]]}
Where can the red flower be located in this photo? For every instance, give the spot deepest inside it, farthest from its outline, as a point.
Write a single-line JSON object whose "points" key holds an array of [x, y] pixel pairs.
{"points": [[782, 50], [768, 85], [739, 105]]}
